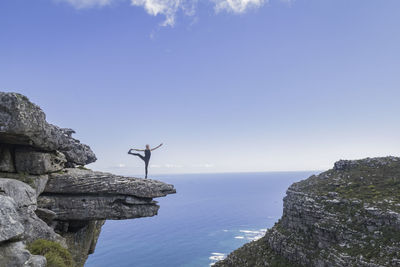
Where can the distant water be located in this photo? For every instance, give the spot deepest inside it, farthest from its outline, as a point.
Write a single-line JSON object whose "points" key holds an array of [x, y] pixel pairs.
{"points": [[210, 216]]}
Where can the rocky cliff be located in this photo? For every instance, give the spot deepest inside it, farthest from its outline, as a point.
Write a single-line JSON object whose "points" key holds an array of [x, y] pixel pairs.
{"points": [[46, 193], [347, 216]]}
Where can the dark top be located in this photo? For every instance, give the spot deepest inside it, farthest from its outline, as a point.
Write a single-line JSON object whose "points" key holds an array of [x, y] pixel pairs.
{"points": [[147, 154]]}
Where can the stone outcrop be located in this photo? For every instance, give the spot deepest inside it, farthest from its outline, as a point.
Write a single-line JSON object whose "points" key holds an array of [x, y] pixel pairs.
{"points": [[24, 123], [347, 216], [46, 193]]}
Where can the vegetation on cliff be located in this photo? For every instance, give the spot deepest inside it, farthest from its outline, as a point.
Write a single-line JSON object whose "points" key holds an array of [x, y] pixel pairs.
{"points": [[346, 216], [55, 254]]}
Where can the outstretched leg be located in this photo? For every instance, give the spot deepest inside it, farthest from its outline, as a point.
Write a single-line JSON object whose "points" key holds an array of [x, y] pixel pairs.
{"points": [[136, 154], [146, 161]]}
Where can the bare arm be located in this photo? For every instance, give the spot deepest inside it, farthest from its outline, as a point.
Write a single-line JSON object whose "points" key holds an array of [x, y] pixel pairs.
{"points": [[156, 147]]}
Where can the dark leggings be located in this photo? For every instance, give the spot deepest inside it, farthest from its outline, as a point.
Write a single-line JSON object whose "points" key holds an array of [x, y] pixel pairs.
{"points": [[146, 161]]}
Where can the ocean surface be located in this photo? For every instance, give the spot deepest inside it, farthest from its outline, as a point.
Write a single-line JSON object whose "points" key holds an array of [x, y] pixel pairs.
{"points": [[210, 216]]}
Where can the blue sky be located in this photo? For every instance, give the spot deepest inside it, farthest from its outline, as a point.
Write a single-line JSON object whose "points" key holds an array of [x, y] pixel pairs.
{"points": [[228, 86]]}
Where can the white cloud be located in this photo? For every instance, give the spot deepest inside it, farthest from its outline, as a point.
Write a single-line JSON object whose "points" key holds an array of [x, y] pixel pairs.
{"points": [[206, 165], [169, 166], [79, 4], [170, 8], [155, 166], [237, 6]]}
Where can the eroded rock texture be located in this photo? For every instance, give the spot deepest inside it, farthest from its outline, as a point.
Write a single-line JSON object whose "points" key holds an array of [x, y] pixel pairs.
{"points": [[347, 216]]}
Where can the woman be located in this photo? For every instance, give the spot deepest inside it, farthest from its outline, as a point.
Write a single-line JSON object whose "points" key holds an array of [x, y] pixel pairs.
{"points": [[147, 155]]}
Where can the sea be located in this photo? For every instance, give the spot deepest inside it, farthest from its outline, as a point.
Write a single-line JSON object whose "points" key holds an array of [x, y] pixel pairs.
{"points": [[210, 216]]}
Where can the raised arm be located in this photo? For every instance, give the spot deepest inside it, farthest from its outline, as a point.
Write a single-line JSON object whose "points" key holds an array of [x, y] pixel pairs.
{"points": [[156, 147]]}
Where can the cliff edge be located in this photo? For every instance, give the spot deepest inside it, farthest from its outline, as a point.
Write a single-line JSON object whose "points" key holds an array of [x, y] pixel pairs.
{"points": [[47, 193], [346, 216]]}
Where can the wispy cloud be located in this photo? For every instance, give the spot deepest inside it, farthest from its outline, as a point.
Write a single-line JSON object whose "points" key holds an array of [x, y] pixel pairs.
{"points": [[170, 8], [171, 166], [205, 165], [237, 6], [79, 4]]}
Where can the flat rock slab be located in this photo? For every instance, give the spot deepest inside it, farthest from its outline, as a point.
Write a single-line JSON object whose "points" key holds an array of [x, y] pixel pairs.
{"points": [[86, 182]]}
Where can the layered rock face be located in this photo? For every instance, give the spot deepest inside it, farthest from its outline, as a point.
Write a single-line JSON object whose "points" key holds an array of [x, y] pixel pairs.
{"points": [[347, 216], [76, 194], [46, 193]]}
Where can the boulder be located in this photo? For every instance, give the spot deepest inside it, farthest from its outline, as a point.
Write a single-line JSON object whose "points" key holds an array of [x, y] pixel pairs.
{"points": [[46, 215], [23, 195], [10, 227], [14, 254], [36, 182], [30, 161], [24, 123]]}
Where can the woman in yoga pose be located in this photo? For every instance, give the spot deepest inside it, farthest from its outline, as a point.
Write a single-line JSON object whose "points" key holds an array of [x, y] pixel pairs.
{"points": [[147, 155]]}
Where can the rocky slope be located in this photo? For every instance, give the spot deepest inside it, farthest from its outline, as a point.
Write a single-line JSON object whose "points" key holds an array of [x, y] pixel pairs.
{"points": [[347, 216], [46, 193]]}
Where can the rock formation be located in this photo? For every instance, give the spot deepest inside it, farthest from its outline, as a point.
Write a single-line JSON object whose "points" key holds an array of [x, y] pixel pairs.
{"points": [[46, 193], [347, 216]]}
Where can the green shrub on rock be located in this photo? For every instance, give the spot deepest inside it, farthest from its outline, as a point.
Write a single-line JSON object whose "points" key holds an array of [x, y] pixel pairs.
{"points": [[56, 255]]}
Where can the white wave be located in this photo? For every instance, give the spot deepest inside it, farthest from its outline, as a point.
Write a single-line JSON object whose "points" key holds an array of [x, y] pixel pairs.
{"points": [[216, 256], [249, 232]]}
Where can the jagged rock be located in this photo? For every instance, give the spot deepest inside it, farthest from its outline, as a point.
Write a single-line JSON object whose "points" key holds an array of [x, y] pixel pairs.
{"points": [[347, 216], [10, 227], [14, 254], [36, 162], [85, 182], [46, 215], [24, 123], [6, 159]]}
